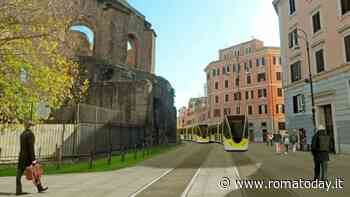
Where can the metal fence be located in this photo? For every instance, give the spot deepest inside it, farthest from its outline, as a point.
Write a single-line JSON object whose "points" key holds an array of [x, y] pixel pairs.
{"points": [[100, 134], [61, 141]]}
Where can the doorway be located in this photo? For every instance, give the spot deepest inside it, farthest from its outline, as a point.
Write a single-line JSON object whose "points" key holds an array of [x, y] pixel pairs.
{"points": [[326, 118], [264, 131], [251, 135]]}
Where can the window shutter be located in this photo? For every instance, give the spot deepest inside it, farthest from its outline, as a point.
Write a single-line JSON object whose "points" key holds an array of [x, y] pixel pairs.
{"points": [[347, 47], [295, 104]]}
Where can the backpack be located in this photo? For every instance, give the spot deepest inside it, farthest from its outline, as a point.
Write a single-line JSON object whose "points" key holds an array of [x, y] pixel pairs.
{"points": [[323, 143]]}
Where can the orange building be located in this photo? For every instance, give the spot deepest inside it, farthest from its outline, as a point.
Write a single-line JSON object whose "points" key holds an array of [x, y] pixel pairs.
{"points": [[195, 113], [247, 79]]}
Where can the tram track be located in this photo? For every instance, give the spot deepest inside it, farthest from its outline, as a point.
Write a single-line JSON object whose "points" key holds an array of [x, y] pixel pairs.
{"points": [[181, 178]]}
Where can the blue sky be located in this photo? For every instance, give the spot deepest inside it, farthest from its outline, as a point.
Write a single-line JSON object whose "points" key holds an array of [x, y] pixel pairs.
{"points": [[190, 33]]}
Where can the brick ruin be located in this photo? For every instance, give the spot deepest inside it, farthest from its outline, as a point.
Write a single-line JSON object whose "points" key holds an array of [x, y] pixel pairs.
{"points": [[120, 65]]}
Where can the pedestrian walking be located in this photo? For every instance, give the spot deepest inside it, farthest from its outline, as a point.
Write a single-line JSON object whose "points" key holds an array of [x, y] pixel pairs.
{"points": [[27, 158], [294, 141], [286, 143], [270, 139], [278, 139], [320, 147]]}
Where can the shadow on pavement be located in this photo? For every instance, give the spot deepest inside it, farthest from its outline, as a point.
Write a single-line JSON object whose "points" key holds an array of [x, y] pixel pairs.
{"points": [[7, 194]]}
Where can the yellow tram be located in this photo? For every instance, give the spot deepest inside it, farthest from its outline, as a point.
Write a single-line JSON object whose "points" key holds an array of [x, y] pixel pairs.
{"points": [[202, 133], [235, 133], [232, 132]]}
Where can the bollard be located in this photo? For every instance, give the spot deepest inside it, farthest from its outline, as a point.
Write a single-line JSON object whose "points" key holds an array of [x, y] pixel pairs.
{"points": [[57, 157], [123, 154], [91, 159], [135, 152], [110, 156], [0, 152], [143, 150]]}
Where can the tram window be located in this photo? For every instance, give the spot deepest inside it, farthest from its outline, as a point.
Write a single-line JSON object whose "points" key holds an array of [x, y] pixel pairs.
{"points": [[226, 130], [237, 127]]}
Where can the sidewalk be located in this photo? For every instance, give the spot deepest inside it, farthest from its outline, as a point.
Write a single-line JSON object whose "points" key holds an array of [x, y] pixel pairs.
{"points": [[294, 166]]}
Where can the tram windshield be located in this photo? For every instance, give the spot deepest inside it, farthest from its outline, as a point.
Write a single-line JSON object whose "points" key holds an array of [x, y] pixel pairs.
{"points": [[203, 130], [237, 127]]}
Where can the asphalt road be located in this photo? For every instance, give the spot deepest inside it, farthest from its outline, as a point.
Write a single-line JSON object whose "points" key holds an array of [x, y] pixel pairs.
{"points": [[198, 170]]}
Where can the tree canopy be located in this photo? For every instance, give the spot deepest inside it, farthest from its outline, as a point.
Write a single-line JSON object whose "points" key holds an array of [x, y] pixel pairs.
{"points": [[36, 64]]}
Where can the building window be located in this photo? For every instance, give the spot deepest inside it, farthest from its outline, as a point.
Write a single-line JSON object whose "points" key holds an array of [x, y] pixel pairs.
{"points": [[252, 94], [224, 70], [319, 61], [214, 72], [345, 6], [246, 68], [282, 126], [274, 60], [250, 110], [216, 99], [247, 95], [293, 38], [250, 64], [316, 22], [296, 71], [238, 110], [279, 92], [347, 47], [238, 96], [216, 85], [263, 124], [237, 81], [227, 98], [262, 93], [299, 103], [218, 72], [226, 83], [238, 68], [217, 113], [261, 77], [262, 109], [280, 60], [227, 68], [249, 79], [280, 108], [263, 61], [291, 7], [278, 76], [258, 62]]}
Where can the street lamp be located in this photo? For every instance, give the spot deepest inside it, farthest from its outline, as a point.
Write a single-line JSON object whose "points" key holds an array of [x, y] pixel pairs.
{"points": [[305, 38]]}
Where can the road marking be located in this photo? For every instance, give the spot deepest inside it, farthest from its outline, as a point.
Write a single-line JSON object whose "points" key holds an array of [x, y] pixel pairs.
{"points": [[149, 184], [189, 186], [236, 172]]}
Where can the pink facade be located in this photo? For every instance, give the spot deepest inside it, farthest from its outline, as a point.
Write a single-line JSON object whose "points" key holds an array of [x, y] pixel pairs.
{"points": [[247, 79]]}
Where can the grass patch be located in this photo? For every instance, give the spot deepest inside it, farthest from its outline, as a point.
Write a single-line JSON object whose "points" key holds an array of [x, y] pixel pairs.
{"points": [[99, 165]]}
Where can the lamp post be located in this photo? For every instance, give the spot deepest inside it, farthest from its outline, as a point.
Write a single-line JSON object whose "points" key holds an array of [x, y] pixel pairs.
{"points": [[305, 38]]}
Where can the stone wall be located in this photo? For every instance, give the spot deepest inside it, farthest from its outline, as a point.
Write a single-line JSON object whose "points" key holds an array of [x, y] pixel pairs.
{"points": [[113, 22]]}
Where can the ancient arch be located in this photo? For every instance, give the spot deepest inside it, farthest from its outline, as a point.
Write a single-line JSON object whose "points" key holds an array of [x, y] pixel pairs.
{"points": [[132, 51], [84, 39]]}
